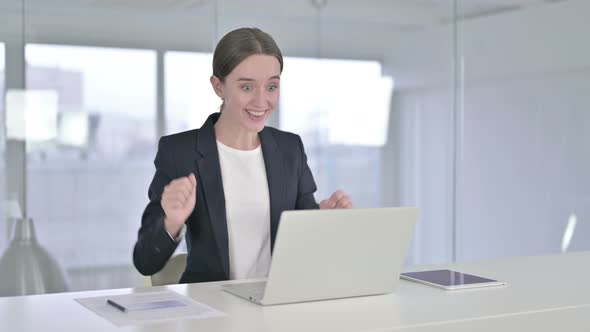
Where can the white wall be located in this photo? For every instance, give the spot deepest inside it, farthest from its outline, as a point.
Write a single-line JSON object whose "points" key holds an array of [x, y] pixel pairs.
{"points": [[526, 162]]}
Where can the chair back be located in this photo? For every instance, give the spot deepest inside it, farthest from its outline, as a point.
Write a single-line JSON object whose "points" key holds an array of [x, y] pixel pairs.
{"points": [[172, 271]]}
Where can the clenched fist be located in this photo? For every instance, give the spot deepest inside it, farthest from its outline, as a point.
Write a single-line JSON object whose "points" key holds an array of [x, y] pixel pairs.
{"points": [[338, 200], [178, 201]]}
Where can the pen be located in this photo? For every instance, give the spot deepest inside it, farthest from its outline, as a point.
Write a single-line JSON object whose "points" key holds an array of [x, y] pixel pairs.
{"points": [[116, 305]]}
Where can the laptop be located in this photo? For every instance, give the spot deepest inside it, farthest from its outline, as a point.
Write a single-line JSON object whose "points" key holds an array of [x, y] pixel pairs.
{"points": [[330, 254]]}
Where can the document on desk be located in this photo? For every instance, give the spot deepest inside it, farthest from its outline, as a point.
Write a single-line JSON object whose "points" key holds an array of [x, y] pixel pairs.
{"points": [[148, 308]]}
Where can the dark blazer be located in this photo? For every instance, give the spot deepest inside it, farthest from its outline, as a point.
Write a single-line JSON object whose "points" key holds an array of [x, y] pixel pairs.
{"points": [[290, 183]]}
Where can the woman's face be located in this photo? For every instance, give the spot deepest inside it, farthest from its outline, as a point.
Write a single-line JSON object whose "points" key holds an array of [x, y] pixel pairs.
{"points": [[250, 91]]}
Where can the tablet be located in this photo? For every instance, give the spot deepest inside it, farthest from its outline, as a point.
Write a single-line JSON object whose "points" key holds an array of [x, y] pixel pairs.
{"points": [[448, 279]]}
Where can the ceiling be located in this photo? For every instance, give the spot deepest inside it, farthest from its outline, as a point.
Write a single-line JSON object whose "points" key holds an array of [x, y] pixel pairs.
{"points": [[402, 14]]}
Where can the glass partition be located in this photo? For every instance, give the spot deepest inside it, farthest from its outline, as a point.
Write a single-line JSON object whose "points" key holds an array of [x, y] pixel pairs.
{"points": [[526, 146], [473, 111]]}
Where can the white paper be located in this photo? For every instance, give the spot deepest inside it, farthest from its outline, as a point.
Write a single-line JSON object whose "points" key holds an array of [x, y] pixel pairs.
{"points": [[192, 309]]}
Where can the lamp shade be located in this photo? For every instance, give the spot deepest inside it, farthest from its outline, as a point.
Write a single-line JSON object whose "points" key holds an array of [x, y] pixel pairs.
{"points": [[26, 268]]}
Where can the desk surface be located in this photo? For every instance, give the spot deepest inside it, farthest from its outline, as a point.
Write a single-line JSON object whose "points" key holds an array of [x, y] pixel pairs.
{"points": [[576, 319], [543, 292]]}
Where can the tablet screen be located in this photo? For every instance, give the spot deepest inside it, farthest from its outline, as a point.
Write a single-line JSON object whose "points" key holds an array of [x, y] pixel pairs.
{"points": [[447, 277]]}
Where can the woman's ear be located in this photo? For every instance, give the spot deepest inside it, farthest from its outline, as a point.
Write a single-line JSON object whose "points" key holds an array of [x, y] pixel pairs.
{"points": [[217, 86]]}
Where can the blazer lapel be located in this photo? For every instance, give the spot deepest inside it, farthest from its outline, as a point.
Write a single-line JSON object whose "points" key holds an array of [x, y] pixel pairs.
{"points": [[273, 161], [211, 182]]}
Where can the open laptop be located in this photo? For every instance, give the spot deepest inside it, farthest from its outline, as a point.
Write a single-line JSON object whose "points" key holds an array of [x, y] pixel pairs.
{"points": [[328, 254]]}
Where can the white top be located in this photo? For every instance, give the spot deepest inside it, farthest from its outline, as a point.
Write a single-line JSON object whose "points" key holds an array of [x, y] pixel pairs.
{"points": [[247, 206]]}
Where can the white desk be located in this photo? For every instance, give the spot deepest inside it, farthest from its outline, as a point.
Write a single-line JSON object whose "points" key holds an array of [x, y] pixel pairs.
{"points": [[570, 320], [533, 299]]}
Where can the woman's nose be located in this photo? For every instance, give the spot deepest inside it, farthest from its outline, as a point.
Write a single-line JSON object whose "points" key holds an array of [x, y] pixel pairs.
{"points": [[259, 98]]}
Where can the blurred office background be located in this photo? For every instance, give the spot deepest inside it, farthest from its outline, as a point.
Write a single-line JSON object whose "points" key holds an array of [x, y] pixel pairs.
{"points": [[476, 111]]}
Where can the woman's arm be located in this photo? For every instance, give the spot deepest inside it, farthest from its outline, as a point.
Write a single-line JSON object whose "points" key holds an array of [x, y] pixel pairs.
{"points": [[306, 186], [154, 245]]}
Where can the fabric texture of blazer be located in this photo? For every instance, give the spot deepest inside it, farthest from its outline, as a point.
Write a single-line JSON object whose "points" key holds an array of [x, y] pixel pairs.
{"points": [[291, 187]]}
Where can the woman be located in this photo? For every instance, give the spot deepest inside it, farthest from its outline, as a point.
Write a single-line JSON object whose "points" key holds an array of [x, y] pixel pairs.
{"points": [[226, 184]]}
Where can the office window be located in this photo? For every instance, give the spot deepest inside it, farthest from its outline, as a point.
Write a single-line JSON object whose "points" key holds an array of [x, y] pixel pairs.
{"points": [[189, 95], [87, 186], [341, 110]]}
